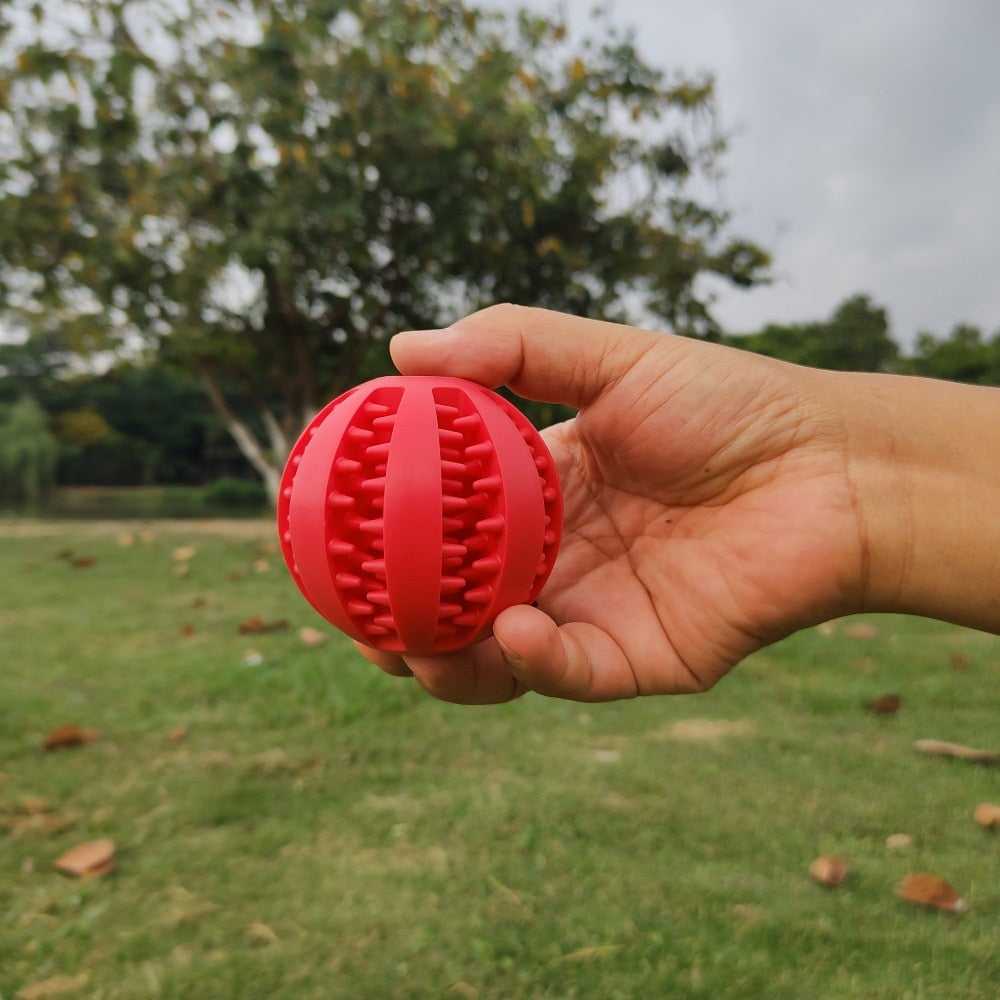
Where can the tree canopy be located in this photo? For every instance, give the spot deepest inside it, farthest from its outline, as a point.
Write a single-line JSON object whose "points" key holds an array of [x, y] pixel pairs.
{"points": [[855, 338], [264, 190]]}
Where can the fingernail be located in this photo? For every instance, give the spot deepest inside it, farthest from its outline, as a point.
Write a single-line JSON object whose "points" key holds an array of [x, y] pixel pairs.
{"points": [[426, 334]]}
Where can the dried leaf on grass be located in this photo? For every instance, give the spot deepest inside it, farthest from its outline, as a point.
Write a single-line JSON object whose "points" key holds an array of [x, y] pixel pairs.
{"points": [[34, 805], [36, 815], [89, 859], [70, 735], [593, 953], [829, 870], [988, 815], [312, 637], [886, 704], [899, 841], [260, 934], [464, 990], [183, 554], [55, 986], [925, 889], [256, 625], [941, 748], [82, 562], [180, 906], [861, 630]]}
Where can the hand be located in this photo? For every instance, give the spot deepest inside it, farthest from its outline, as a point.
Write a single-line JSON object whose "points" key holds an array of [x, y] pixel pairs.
{"points": [[708, 509]]}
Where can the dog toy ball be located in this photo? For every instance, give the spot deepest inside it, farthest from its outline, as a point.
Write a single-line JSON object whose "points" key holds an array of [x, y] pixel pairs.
{"points": [[414, 509]]}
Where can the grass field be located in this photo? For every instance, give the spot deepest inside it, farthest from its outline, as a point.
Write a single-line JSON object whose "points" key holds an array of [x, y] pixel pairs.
{"points": [[291, 823]]}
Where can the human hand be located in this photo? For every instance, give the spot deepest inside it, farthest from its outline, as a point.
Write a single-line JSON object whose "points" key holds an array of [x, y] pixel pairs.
{"points": [[708, 509]]}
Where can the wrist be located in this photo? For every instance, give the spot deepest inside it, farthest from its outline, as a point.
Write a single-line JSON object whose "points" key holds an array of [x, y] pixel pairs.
{"points": [[923, 462]]}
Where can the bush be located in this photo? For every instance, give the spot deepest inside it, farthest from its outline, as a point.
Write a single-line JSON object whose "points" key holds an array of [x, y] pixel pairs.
{"points": [[27, 454], [232, 493]]}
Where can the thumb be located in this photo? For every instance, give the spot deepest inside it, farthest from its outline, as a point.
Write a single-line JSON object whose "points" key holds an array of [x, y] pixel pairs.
{"points": [[539, 354]]}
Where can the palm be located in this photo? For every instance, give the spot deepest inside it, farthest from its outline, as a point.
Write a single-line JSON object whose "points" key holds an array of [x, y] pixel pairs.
{"points": [[736, 545]]}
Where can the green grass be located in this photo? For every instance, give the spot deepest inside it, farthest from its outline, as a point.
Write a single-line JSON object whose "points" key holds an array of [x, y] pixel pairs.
{"points": [[324, 831]]}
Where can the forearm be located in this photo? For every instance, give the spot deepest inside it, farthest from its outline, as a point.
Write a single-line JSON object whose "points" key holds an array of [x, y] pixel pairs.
{"points": [[923, 458]]}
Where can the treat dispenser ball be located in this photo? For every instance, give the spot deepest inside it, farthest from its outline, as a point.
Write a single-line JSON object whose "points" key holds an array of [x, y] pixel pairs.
{"points": [[414, 509]]}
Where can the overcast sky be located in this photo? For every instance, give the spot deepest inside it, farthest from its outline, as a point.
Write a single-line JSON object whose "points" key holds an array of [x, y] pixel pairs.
{"points": [[864, 151]]}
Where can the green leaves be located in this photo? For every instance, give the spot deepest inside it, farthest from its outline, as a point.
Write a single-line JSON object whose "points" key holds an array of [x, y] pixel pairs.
{"points": [[369, 165]]}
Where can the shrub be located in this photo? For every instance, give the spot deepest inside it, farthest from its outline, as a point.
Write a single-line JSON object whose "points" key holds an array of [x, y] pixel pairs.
{"points": [[232, 493]]}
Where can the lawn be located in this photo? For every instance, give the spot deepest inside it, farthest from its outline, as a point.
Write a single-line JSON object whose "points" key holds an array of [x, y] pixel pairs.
{"points": [[290, 823]]}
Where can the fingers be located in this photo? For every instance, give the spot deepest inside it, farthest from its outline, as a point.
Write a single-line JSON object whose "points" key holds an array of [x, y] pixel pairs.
{"points": [[389, 662], [529, 652], [475, 676], [539, 354], [576, 661]]}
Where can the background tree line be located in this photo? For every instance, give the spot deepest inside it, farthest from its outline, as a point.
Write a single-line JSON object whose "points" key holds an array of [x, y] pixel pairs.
{"points": [[143, 424], [246, 198]]}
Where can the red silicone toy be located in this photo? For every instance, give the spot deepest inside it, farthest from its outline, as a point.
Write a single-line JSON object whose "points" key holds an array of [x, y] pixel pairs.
{"points": [[414, 509]]}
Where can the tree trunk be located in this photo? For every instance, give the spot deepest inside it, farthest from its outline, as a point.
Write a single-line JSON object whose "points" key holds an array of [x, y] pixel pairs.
{"points": [[256, 454]]}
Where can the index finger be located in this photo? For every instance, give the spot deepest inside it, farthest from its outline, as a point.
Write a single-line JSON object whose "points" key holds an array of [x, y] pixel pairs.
{"points": [[539, 354]]}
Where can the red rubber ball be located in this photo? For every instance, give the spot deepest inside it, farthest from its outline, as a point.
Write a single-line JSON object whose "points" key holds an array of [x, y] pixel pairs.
{"points": [[414, 509]]}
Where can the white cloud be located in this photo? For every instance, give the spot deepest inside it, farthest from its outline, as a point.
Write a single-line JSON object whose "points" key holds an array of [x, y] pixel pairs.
{"points": [[865, 147]]}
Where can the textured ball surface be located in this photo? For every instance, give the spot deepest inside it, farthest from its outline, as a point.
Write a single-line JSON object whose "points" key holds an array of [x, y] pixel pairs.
{"points": [[414, 509]]}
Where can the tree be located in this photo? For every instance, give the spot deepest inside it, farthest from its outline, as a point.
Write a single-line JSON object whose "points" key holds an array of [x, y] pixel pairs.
{"points": [[963, 356], [28, 453], [855, 338], [264, 190]]}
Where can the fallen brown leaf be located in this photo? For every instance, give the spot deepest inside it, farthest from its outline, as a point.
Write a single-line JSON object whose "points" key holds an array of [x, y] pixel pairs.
{"points": [[188, 629], [829, 870], [183, 554], [89, 859], [35, 805], [925, 889], [55, 986], [886, 704], [37, 816], [941, 748], [959, 661], [257, 626], [48, 824], [70, 735], [464, 990], [82, 562], [184, 907], [988, 815], [312, 636], [178, 734], [593, 953], [260, 934], [898, 841], [861, 630]]}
